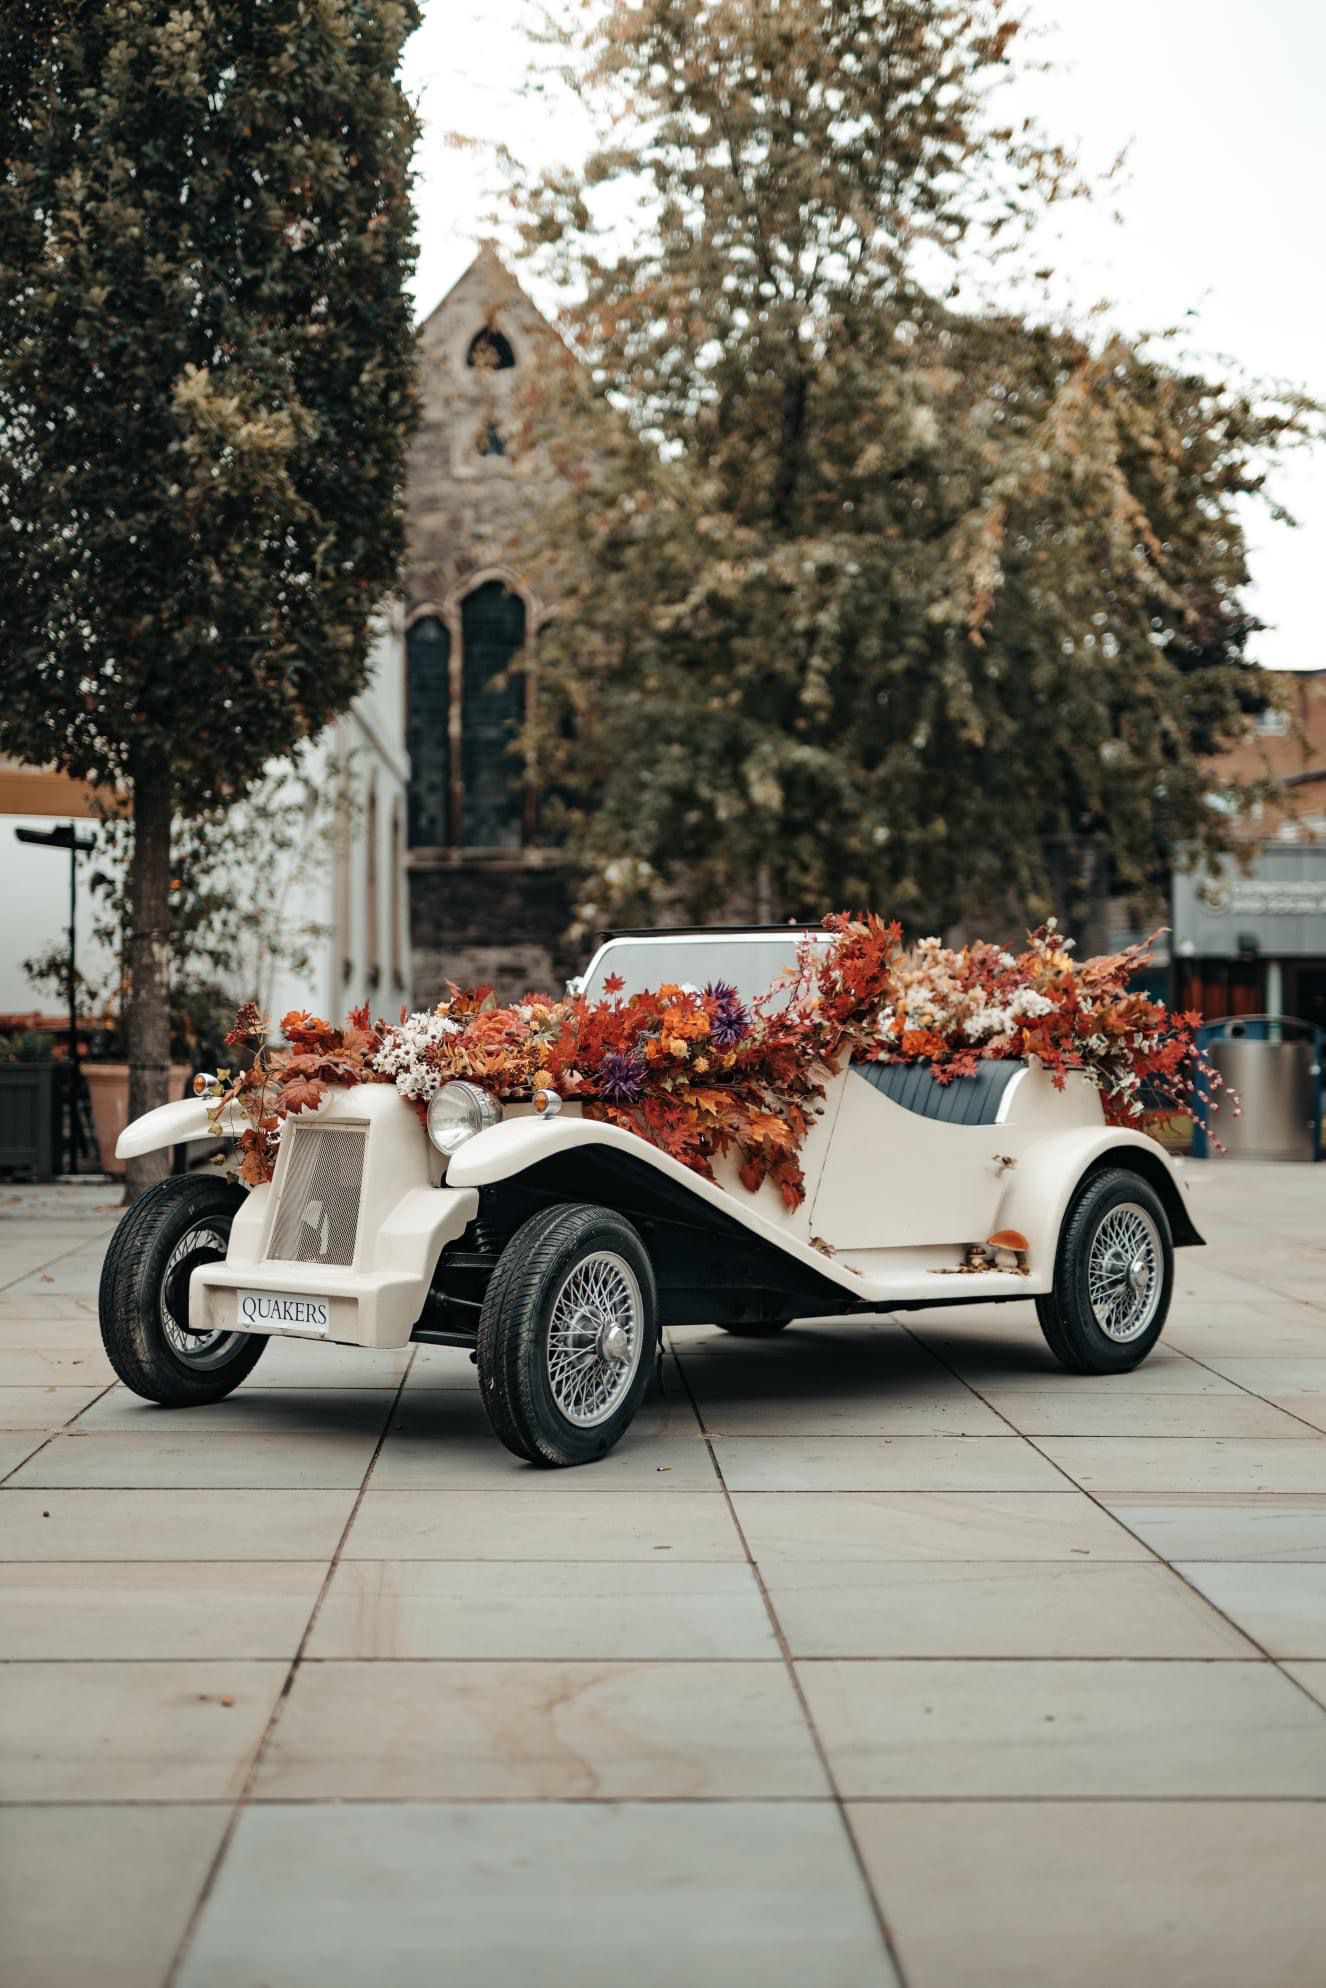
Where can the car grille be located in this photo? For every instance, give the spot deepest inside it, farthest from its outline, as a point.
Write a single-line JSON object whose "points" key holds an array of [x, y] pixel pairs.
{"points": [[317, 1214]]}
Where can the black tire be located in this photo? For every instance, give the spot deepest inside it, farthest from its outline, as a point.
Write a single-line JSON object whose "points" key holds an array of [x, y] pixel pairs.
{"points": [[763, 1328], [1073, 1330], [516, 1326], [133, 1294]]}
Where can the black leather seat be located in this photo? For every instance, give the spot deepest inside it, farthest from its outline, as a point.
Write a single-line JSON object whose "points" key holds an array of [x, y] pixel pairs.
{"points": [[964, 1101]]}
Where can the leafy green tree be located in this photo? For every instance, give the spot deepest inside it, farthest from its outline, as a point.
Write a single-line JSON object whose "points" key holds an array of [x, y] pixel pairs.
{"points": [[875, 595], [206, 396]]}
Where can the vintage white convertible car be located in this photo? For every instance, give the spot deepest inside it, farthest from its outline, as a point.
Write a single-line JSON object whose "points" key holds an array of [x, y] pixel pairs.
{"points": [[556, 1247]]}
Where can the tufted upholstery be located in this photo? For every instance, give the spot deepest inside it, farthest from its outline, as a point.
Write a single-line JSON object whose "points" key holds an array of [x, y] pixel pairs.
{"points": [[965, 1101]]}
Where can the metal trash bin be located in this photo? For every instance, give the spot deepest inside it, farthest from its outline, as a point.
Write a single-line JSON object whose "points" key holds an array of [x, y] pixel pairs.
{"points": [[1274, 1063]]}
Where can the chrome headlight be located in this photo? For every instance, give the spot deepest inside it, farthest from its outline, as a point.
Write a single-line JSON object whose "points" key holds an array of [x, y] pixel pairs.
{"points": [[457, 1112]]}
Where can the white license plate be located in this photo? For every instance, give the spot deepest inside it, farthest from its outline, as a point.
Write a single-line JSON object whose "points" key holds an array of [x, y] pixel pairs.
{"points": [[285, 1311]]}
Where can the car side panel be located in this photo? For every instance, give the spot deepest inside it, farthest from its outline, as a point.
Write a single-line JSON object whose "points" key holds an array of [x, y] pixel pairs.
{"points": [[894, 1180]]}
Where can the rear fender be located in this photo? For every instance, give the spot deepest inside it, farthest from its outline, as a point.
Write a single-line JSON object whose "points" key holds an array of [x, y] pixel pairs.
{"points": [[1048, 1175]]}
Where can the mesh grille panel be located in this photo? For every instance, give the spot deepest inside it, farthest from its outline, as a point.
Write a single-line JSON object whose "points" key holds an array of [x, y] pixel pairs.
{"points": [[317, 1220]]}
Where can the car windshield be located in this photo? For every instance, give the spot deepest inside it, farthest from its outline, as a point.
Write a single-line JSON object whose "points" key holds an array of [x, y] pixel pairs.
{"points": [[750, 964]]}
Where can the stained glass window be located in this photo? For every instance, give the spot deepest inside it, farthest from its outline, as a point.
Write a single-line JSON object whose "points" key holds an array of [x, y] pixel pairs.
{"points": [[492, 636], [428, 738]]}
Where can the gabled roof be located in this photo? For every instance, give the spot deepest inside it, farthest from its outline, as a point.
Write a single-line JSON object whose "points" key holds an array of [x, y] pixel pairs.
{"points": [[486, 264]]}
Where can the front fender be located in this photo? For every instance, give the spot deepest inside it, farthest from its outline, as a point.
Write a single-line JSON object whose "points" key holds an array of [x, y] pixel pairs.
{"points": [[519, 1143], [173, 1125]]}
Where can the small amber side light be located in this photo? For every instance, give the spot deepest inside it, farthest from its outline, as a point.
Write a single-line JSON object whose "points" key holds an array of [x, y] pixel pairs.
{"points": [[547, 1103]]}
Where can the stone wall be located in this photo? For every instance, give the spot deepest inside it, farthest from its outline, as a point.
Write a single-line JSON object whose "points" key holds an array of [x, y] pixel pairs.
{"points": [[479, 916], [501, 924]]}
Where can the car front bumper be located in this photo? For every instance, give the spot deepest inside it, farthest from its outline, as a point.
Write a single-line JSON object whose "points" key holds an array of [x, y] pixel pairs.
{"points": [[373, 1302]]}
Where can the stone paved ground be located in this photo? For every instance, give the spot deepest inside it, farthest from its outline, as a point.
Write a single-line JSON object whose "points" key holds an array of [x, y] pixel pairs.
{"points": [[882, 1652]]}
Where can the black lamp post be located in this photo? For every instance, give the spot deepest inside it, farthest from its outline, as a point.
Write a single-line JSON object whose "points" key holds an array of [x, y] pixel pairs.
{"points": [[67, 837]]}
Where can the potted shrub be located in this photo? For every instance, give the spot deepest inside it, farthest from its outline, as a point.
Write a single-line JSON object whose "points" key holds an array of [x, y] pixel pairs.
{"points": [[106, 1075], [29, 1105]]}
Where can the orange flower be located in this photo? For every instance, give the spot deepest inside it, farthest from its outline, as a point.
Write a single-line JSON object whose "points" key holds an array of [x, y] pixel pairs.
{"points": [[685, 1021]]}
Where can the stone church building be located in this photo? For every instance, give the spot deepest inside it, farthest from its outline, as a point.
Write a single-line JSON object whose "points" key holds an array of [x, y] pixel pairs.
{"points": [[486, 900]]}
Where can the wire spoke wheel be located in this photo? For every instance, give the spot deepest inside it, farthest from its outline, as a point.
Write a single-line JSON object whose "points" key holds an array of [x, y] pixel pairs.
{"points": [[1125, 1272], [200, 1350], [567, 1331], [595, 1338]]}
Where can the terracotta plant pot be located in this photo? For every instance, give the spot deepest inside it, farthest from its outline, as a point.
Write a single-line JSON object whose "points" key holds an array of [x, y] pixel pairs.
{"points": [[108, 1088]]}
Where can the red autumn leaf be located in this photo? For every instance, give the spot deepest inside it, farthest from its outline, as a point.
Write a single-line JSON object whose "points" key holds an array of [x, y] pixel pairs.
{"points": [[302, 1093]]}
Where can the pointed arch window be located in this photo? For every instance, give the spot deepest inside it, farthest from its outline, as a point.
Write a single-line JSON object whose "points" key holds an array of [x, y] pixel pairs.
{"points": [[465, 706], [492, 621], [428, 731], [490, 351]]}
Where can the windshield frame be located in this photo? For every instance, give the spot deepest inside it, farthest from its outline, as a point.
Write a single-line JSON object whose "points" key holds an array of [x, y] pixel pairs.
{"points": [[718, 939]]}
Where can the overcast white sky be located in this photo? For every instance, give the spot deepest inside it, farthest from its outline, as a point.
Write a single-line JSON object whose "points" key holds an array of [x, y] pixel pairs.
{"points": [[1220, 104]]}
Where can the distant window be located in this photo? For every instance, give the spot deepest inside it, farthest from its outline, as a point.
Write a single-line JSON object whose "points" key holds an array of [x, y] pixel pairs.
{"points": [[492, 711], [490, 351], [492, 442], [372, 911], [428, 731], [394, 900], [1273, 724]]}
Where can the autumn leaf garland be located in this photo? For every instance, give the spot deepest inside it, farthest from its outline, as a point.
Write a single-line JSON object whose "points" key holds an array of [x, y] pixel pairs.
{"points": [[704, 1075]]}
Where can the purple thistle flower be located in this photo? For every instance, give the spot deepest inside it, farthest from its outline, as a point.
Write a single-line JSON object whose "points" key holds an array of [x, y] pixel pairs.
{"points": [[731, 1019], [621, 1078]]}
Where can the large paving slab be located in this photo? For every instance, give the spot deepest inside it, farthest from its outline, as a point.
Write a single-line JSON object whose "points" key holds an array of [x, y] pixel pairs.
{"points": [[1210, 1526], [1068, 1412], [16, 1447], [885, 1463], [172, 1525], [132, 1732], [930, 1525], [1275, 1378], [997, 1608], [1125, 1728], [1282, 1607], [1107, 1465], [727, 1895], [151, 1609], [99, 1894], [499, 1609], [74, 1365], [573, 1525], [320, 1460], [551, 1731], [1097, 1894], [43, 1408], [250, 1411]]}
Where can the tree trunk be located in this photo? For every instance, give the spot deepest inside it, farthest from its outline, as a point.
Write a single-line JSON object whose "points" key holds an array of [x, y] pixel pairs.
{"points": [[148, 999]]}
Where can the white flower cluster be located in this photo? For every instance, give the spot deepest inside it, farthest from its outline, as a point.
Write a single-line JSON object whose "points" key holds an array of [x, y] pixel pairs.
{"points": [[989, 1019], [402, 1056], [937, 1001]]}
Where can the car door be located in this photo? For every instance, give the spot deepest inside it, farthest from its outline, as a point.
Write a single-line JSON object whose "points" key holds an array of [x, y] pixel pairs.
{"points": [[912, 1163]]}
